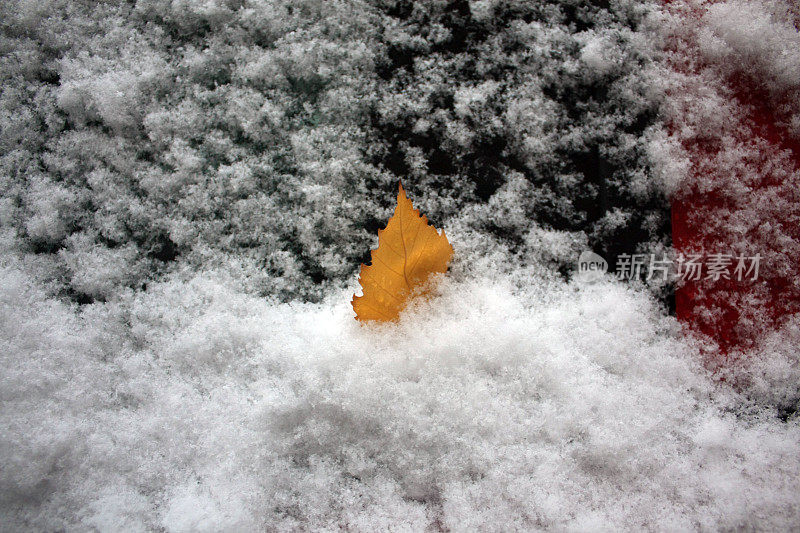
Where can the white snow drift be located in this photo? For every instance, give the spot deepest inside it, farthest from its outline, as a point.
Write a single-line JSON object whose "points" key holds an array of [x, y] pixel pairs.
{"points": [[193, 407]]}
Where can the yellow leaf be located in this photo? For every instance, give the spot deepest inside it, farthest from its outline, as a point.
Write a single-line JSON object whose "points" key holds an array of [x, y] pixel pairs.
{"points": [[409, 250]]}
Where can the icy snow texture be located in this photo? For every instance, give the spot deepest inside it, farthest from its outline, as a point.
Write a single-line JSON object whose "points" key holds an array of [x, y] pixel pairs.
{"points": [[750, 34], [193, 407], [267, 137], [164, 163], [733, 109]]}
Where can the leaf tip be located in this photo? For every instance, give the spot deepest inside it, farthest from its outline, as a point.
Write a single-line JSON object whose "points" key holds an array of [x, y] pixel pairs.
{"points": [[401, 192]]}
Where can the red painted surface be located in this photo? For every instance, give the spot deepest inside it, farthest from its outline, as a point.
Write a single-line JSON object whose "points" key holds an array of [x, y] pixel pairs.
{"points": [[750, 206]]}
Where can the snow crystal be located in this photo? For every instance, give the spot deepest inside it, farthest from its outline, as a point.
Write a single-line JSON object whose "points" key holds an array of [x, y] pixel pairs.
{"points": [[194, 407], [747, 32], [188, 187]]}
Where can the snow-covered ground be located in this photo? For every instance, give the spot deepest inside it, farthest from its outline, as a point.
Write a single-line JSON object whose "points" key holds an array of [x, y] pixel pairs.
{"points": [[194, 407], [187, 189]]}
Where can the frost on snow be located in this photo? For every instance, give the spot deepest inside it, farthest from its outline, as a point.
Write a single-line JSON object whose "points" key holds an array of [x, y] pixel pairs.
{"points": [[188, 187]]}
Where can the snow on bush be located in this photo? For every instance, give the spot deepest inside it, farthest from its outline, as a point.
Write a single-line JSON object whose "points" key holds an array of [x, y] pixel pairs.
{"points": [[267, 137], [188, 134], [195, 407]]}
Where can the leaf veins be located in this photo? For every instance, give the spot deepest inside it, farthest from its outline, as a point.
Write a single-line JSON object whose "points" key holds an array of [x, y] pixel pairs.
{"points": [[409, 250]]}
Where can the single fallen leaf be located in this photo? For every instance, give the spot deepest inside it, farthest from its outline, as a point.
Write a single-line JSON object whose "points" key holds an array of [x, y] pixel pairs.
{"points": [[409, 250]]}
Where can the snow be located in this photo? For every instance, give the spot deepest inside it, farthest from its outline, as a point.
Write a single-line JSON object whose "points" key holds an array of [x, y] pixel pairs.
{"points": [[196, 407], [732, 109], [751, 32], [187, 190]]}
